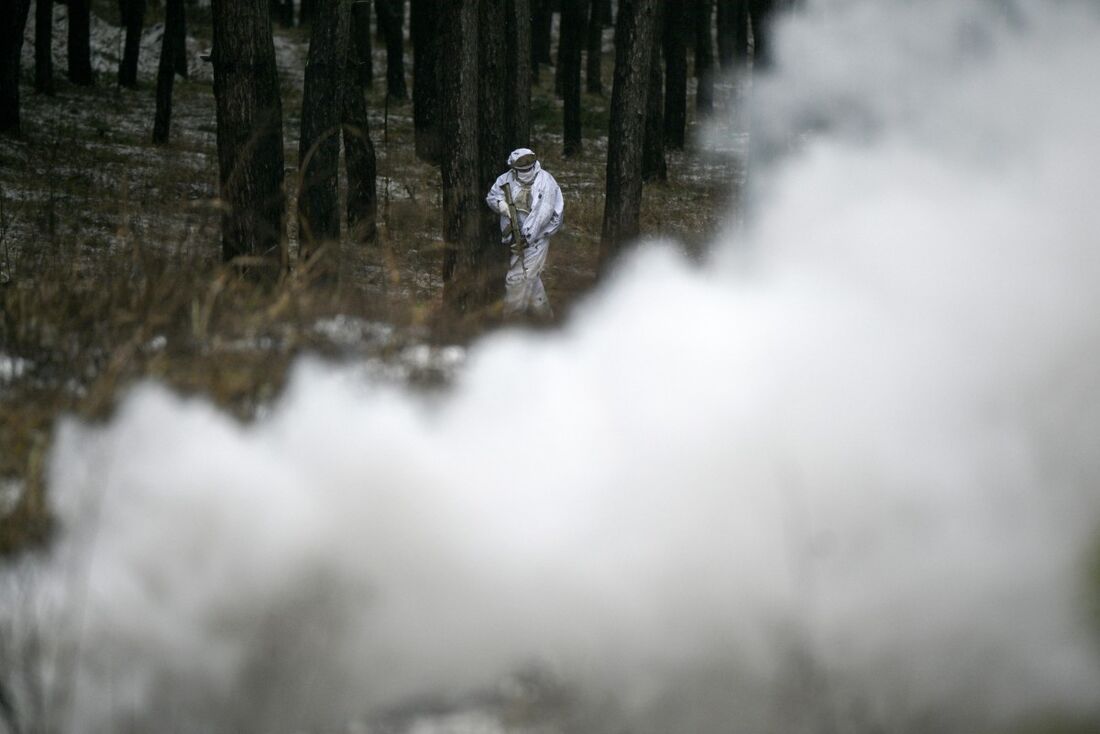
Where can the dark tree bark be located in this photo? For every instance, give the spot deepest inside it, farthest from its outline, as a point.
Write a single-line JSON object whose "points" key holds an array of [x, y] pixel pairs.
{"points": [[704, 56], [250, 132], [654, 167], [282, 12], [606, 14], [322, 114], [594, 52], [361, 41], [80, 47], [541, 22], [43, 46], [494, 141], [761, 12], [132, 13], [179, 45], [518, 111], [569, 57], [306, 11], [464, 278], [675, 33], [391, 19], [166, 73], [359, 159], [733, 33], [13, 21], [635, 36], [425, 34]]}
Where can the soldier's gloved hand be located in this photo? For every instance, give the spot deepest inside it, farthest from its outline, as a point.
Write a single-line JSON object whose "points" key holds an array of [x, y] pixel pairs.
{"points": [[502, 207]]}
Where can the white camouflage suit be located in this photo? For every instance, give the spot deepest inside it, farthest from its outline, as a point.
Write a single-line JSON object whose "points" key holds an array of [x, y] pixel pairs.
{"points": [[539, 206]]}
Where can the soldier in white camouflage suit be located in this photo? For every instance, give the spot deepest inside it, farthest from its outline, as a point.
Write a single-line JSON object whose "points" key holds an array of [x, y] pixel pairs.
{"points": [[538, 203]]}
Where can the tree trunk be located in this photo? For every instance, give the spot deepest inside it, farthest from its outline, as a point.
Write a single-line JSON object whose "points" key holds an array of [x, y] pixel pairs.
{"points": [[595, 48], [606, 14], [179, 55], [306, 11], [704, 56], [654, 167], [43, 46], [361, 42], [80, 49], [166, 73], [282, 12], [733, 33], [494, 143], [250, 132], [462, 198], [13, 21], [391, 20], [518, 110], [424, 30], [541, 22], [569, 56], [675, 31], [132, 13], [635, 33], [359, 160], [322, 114], [761, 12]]}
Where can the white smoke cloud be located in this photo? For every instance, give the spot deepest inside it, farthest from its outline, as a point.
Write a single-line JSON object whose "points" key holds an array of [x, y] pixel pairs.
{"points": [[842, 477]]}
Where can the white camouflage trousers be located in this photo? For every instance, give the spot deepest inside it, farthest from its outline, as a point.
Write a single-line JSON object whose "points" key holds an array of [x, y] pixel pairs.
{"points": [[523, 289]]}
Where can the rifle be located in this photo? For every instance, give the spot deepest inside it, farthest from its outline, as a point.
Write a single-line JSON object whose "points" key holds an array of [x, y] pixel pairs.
{"points": [[518, 244]]}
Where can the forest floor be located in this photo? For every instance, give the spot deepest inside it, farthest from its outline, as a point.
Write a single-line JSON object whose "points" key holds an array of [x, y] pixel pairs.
{"points": [[110, 267]]}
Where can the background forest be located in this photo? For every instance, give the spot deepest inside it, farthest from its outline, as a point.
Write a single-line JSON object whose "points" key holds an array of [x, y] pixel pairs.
{"points": [[112, 231]]}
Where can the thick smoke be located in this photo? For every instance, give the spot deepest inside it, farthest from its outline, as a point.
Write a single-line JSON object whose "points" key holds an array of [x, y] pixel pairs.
{"points": [[841, 478]]}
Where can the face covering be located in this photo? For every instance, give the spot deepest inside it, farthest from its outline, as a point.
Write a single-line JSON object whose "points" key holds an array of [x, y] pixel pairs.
{"points": [[528, 176]]}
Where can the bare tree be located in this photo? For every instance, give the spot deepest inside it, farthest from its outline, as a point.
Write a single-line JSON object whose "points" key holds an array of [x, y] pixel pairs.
{"points": [[425, 35], [80, 44], [517, 116], [43, 46], [250, 131], [494, 141], [391, 21], [166, 72], [13, 20], [542, 17], [322, 115], [359, 159], [569, 57], [761, 12], [462, 199], [654, 166], [635, 32], [704, 55], [361, 41], [132, 13], [179, 44], [733, 33], [594, 51], [676, 28]]}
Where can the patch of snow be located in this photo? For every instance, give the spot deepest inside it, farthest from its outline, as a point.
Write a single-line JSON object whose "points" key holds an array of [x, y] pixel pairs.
{"points": [[426, 357], [12, 368], [11, 491], [349, 331], [156, 344]]}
